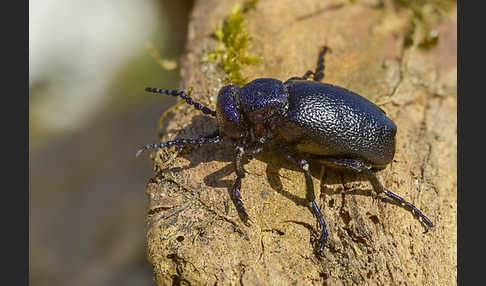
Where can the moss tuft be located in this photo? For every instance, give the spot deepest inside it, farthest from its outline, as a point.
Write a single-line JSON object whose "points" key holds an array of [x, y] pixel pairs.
{"points": [[233, 43], [424, 14]]}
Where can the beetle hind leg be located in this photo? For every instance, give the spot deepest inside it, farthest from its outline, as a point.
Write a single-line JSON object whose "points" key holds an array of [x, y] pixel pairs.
{"points": [[360, 167], [416, 211], [302, 164]]}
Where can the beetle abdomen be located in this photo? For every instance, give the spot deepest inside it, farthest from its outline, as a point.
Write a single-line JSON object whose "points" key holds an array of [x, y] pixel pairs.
{"points": [[335, 121]]}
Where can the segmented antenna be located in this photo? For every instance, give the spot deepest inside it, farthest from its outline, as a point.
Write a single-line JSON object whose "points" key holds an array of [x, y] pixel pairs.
{"points": [[184, 96], [181, 143]]}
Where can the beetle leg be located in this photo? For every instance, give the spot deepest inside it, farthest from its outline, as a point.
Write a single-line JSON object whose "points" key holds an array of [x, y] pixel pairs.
{"points": [[181, 143], [302, 164], [235, 190], [184, 96], [319, 72], [360, 167], [307, 75]]}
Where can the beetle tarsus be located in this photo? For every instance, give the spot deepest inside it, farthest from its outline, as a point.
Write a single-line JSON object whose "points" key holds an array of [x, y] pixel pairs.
{"points": [[360, 167], [416, 211], [236, 197], [323, 225], [319, 73]]}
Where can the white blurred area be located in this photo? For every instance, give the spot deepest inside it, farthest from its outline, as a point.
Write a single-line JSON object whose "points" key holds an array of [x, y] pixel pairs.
{"points": [[86, 199], [74, 47]]}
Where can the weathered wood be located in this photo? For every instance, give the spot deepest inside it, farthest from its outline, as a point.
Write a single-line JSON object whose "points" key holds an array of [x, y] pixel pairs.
{"points": [[194, 234]]}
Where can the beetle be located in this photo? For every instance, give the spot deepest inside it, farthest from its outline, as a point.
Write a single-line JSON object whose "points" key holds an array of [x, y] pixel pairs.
{"points": [[304, 119]]}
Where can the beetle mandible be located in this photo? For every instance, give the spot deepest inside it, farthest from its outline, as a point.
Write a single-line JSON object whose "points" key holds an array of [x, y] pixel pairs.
{"points": [[305, 119]]}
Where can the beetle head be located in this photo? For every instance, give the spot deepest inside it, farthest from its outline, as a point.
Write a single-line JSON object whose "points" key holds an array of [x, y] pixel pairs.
{"points": [[251, 109]]}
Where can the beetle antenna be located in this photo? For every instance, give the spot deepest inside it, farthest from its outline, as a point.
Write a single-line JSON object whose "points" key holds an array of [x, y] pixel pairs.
{"points": [[181, 143], [184, 96]]}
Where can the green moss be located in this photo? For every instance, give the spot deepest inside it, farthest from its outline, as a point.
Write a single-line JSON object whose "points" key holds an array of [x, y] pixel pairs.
{"points": [[250, 4], [424, 14], [233, 43]]}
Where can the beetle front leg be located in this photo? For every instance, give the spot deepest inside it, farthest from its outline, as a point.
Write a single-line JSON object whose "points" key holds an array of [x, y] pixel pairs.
{"points": [[235, 190], [360, 167], [302, 164]]}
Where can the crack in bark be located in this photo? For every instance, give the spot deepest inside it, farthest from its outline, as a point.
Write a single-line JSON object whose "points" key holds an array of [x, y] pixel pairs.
{"points": [[319, 11], [263, 249], [205, 205], [390, 273]]}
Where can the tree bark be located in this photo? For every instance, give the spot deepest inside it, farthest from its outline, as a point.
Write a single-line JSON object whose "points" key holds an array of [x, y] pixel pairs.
{"points": [[194, 234]]}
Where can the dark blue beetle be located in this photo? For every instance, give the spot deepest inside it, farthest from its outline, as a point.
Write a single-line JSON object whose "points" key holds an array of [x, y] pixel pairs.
{"points": [[304, 120]]}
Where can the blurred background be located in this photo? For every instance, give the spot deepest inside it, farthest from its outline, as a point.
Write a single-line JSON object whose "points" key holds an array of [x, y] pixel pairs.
{"points": [[89, 62]]}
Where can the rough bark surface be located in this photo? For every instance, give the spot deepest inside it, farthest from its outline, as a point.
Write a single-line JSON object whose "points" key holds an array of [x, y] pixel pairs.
{"points": [[194, 234]]}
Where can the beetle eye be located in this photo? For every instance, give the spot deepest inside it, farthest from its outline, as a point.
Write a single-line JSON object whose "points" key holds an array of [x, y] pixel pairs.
{"points": [[227, 112]]}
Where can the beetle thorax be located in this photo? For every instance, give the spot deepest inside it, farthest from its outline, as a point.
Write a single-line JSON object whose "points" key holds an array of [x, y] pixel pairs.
{"points": [[263, 103]]}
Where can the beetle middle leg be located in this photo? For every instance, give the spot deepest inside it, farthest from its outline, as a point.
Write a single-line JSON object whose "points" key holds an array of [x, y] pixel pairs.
{"points": [[359, 167], [235, 190], [319, 72], [302, 164]]}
